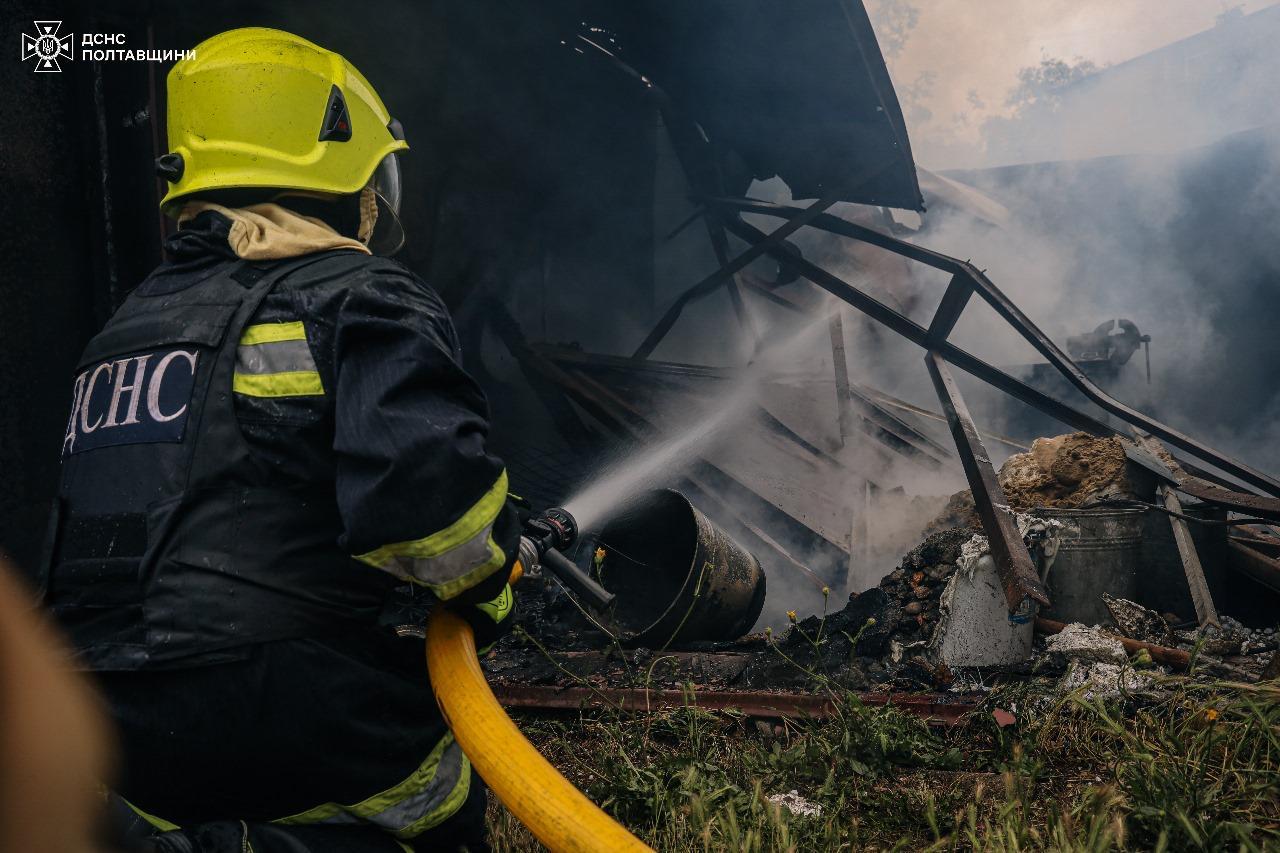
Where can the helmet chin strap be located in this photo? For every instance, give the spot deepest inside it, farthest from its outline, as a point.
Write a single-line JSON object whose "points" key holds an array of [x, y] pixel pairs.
{"points": [[368, 214]]}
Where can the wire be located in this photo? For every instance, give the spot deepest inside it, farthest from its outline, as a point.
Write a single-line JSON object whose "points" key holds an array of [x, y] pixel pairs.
{"points": [[1210, 522]]}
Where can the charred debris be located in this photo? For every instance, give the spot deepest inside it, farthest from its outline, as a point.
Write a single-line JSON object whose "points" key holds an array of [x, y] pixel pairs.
{"points": [[935, 631]]}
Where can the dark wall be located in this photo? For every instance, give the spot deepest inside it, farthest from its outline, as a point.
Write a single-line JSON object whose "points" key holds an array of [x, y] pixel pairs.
{"points": [[47, 274]]}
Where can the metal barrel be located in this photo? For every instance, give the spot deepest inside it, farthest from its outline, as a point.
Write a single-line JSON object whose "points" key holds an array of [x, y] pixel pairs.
{"points": [[677, 576], [1099, 553]]}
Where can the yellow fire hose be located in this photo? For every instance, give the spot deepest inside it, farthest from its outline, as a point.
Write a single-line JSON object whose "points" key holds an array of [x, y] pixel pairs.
{"points": [[555, 811]]}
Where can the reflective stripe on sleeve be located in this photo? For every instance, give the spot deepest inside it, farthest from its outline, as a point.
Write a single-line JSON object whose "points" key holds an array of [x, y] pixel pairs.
{"points": [[274, 360], [454, 559], [431, 795]]}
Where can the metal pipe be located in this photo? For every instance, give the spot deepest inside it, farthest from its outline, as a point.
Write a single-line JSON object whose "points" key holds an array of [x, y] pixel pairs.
{"points": [[934, 709], [556, 812]]}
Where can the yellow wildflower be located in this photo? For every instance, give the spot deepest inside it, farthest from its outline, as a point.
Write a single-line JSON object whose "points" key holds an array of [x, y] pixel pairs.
{"points": [[1211, 714], [791, 614], [600, 552], [826, 590]]}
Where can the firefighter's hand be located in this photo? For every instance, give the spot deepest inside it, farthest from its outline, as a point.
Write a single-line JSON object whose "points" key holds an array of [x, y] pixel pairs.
{"points": [[490, 620]]}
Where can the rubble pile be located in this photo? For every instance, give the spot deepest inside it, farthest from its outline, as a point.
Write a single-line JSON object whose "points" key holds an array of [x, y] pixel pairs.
{"points": [[1227, 650], [905, 606], [891, 623], [1229, 638], [894, 636], [1079, 642], [916, 586], [1067, 471]]}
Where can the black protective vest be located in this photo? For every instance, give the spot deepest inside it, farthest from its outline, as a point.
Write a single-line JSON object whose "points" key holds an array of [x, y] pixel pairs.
{"points": [[172, 545]]}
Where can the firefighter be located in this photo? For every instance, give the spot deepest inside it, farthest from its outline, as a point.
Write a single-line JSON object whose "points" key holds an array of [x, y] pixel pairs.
{"points": [[270, 439]]}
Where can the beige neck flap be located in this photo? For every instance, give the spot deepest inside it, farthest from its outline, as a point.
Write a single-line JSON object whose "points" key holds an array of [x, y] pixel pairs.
{"points": [[267, 232]]}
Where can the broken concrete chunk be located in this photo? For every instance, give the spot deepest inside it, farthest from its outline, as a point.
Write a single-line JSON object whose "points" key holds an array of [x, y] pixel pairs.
{"points": [[796, 804], [973, 627], [1080, 642], [1103, 680]]}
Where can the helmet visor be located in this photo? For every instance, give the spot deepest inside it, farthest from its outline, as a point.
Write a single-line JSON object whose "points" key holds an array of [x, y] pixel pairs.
{"points": [[388, 233], [386, 182]]}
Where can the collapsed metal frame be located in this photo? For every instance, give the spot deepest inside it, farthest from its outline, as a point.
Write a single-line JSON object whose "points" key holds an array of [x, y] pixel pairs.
{"points": [[722, 213], [1013, 562]]}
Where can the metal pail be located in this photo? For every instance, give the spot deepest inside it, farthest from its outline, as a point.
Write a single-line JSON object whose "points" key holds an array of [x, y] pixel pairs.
{"points": [[1099, 553]]}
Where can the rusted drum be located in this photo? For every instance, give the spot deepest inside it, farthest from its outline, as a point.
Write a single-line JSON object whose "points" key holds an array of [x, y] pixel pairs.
{"points": [[677, 576]]}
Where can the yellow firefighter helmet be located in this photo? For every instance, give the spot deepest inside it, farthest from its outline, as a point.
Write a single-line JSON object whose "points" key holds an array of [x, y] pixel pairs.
{"points": [[257, 107]]}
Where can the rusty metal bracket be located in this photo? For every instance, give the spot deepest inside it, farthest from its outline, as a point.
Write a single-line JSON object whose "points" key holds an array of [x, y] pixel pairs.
{"points": [[1013, 562], [1148, 452]]}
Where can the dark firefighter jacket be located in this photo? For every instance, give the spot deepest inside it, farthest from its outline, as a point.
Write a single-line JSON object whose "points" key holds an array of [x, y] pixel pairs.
{"points": [[264, 450]]}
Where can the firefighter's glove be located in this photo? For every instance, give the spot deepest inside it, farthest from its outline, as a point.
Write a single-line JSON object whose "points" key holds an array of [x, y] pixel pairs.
{"points": [[490, 620]]}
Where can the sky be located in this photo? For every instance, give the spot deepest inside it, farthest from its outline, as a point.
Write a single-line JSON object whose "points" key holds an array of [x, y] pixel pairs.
{"points": [[956, 65]]}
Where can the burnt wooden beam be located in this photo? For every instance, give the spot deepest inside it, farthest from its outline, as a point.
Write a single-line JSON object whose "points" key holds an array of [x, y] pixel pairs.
{"points": [[1201, 598], [840, 364], [1206, 613], [1013, 561], [1153, 456]]}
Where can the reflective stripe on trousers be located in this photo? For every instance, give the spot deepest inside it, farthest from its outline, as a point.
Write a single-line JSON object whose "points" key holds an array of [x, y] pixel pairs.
{"points": [[434, 793], [429, 797]]}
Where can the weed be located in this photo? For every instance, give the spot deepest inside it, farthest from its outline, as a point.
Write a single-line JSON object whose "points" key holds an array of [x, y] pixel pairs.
{"points": [[1196, 770], [1196, 766]]}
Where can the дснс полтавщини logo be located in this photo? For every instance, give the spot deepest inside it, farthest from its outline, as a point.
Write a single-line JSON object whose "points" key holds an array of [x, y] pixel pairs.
{"points": [[47, 46]]}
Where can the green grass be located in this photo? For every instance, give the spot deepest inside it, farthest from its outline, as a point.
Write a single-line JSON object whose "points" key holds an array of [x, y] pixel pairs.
{"points": [[1196, 770]]}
